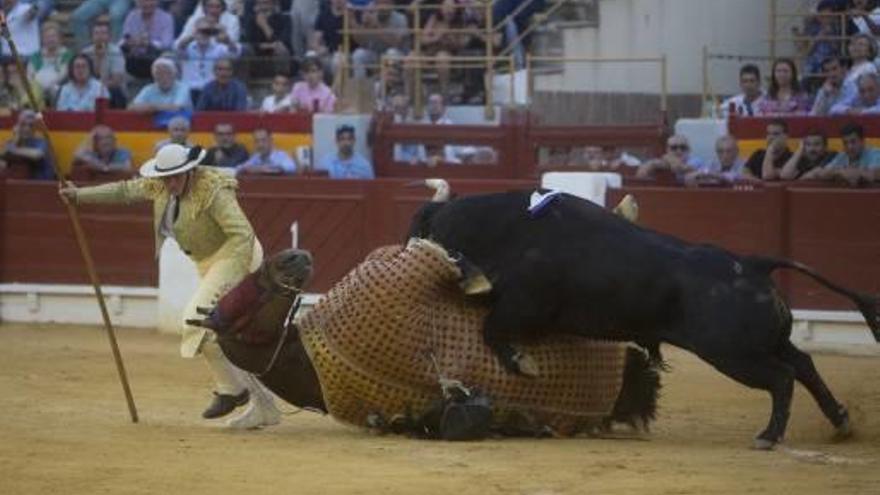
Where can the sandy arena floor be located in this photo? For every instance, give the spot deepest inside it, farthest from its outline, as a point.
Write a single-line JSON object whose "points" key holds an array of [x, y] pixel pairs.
{"points": [[64, 429]]}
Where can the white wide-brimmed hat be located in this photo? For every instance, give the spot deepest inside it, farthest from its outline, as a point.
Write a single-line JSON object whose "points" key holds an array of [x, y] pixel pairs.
{"points": [[173, 159]]}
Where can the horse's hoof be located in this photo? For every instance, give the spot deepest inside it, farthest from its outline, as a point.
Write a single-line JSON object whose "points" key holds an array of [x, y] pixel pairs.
{"points": [[763, 444], [526, 365]]}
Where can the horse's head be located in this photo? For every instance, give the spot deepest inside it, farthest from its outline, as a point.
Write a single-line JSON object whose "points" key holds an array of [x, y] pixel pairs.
{"points": [[253, 323], [254, 311]]}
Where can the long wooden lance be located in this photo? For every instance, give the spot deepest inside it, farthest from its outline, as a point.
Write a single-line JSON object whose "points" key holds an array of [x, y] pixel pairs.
{"points": [[74, 219]]}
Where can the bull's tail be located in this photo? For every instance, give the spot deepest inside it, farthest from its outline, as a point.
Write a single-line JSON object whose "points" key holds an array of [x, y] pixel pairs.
{"points": [[869, 305], [636, 403]]}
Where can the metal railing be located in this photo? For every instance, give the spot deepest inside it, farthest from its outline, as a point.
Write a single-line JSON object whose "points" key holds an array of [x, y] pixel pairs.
{"points": [[661, 61]]}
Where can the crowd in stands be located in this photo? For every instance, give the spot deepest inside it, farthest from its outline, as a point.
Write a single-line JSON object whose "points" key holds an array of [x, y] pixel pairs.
{"points": [[172, 58]]}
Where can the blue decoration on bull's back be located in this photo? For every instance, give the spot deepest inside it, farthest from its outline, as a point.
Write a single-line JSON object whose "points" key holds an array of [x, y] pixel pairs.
{"points": [[539, 201]]}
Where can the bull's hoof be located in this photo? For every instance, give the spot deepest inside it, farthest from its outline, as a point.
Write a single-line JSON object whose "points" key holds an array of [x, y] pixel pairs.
{"points": [[763, 444], [843, 430], [525, 365]]}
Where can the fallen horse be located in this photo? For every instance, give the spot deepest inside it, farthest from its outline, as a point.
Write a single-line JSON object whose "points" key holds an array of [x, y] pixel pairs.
{"points": [[395, 345]]}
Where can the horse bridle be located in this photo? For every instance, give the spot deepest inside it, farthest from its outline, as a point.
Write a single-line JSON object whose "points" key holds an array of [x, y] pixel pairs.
{"points": [[288, 322]]}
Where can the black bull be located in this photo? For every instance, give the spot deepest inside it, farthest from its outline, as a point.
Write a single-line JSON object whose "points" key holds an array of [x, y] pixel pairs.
{"points": [[579, 269]]}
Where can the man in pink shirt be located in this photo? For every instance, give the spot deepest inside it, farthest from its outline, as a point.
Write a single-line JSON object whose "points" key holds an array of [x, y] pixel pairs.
{"points": [[312, 95]]}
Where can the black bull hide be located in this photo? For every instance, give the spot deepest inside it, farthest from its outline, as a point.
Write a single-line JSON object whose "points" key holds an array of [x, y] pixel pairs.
{"points": [[574, 267]]}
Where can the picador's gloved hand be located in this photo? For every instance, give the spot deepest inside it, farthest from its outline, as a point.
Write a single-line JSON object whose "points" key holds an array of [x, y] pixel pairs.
{"points": [[68, 192]]}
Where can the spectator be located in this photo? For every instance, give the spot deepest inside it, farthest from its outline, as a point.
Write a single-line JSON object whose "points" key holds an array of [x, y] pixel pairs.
{"points": [[225, 24], [304, 14], [312, 95], [862, 52], [835, 90], [165, 93], [13, 95], [345, 163], [268, 31], [24, 28], [81, 18], [48, 67], [436, 114], [865, 16], [280, 100], [178, 133], [148, 31], [410, 153], [44, 8], [725, 169], [608, 157], [199, 53], [441, 44], [866, 101], [327, 35], [857, 163], [109, 63], [101, 154], [391, 81], [81, 89], [807, 161], [26, 147], [224, 93], [745, 103], [765, 163], [678, 160], [266, 160], [389, 36], [226, 152], [785, 95], [823, 32]]}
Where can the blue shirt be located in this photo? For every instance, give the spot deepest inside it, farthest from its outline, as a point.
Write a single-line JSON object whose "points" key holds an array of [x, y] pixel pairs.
{"points": [[73, 99], [868, 160], [276, 158], [177, 95], [43, 169], [355, 167], [855, 102], [231, 97], [120, 160]]}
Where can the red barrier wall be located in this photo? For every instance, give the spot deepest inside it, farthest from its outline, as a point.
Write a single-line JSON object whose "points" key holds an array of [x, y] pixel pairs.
{"points": [[833, 230]]}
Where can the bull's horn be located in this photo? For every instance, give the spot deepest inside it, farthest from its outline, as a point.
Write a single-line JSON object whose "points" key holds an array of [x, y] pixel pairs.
{"points": [[440, 187]]}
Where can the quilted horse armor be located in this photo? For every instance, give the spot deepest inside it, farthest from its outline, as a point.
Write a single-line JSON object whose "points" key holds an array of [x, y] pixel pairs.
{"points": [[383, 337]]}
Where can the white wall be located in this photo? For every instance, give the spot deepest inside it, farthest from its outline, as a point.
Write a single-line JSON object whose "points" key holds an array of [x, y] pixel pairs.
{"points": [[676, 28]]}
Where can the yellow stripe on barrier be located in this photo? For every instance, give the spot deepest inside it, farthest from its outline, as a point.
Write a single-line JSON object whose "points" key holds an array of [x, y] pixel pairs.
{"points": [[141, 144]]}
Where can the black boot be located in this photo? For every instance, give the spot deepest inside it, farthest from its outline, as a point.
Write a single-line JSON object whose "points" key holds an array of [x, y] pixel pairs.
{"points": [[224, 404]]}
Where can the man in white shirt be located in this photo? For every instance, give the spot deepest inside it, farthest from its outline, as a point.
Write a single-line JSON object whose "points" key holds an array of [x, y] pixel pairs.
{"points": [[745, 103], [836, 89], [24, 26], [866, 101], [436, 114], [267, 160], [280, 100]]}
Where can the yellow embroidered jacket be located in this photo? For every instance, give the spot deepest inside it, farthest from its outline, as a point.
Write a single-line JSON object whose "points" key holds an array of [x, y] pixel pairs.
{"points": [[210, 223]]}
